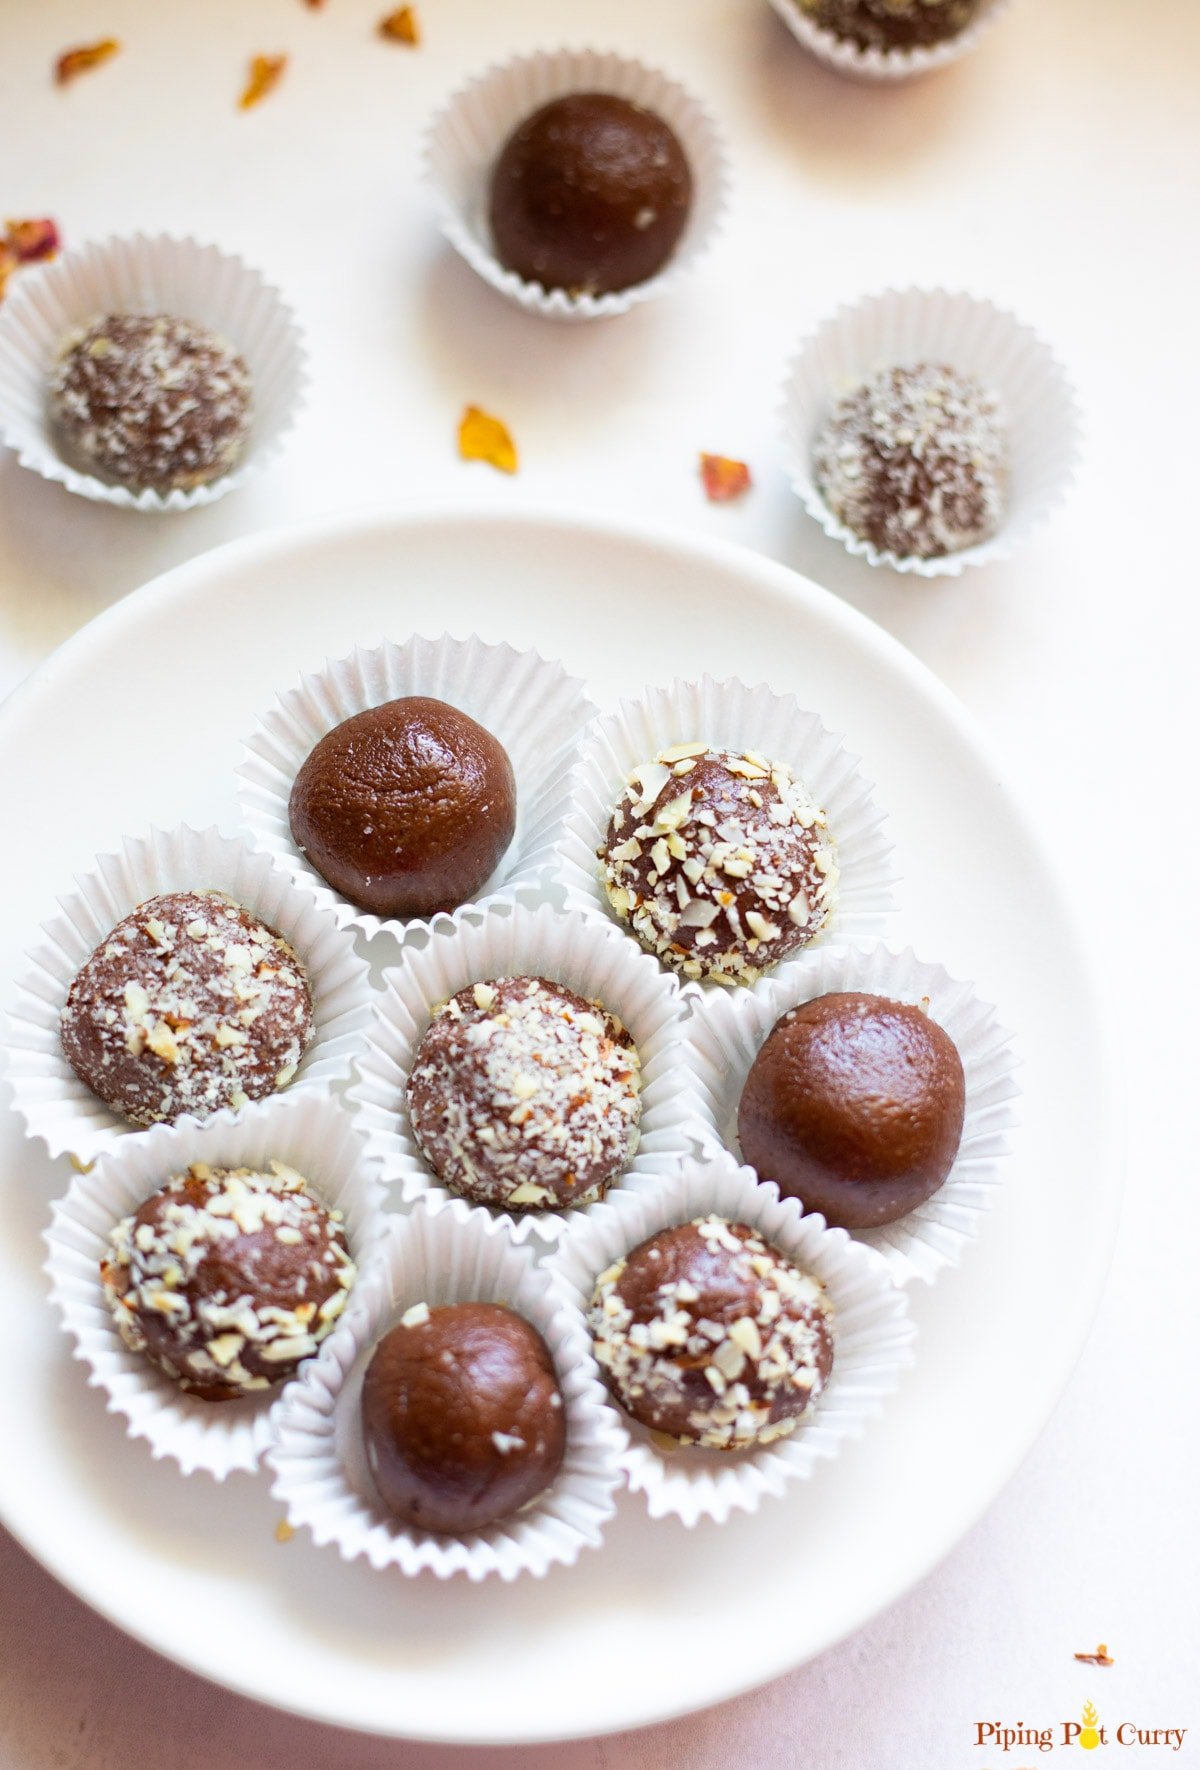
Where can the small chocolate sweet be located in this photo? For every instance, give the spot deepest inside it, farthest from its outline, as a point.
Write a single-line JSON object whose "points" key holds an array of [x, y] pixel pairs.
{"points": [[462, 1416], [191, 1004], [915, 461], [407, 808], [719, 861], [525, 1095], [855, 1106], [708, 1333], [227, 1278], [893, 24], [590, 194], [151, 401]]}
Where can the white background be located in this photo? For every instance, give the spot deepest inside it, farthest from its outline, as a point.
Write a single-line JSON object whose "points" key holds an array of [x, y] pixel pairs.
{"points": [[1055, 171]]}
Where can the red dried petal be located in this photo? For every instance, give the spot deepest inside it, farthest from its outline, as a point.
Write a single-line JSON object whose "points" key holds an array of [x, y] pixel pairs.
{"points": [[266, 71], [88, 55], [724, 479], [32, 240], [401, 26]]}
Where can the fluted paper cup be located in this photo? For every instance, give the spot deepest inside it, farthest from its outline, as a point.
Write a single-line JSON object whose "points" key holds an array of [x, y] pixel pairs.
{"points": [[440, 1255], [726, 1034], [532, 706], [732, 715], [901, 329], [466, 137], [315, 1137], [60, 1109], [872, 1333], [146, 274], [884, 65], [568, 947]]}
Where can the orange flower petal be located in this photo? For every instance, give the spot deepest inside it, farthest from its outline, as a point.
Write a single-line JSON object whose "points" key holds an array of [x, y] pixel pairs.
{"points": [[401, 26], [8, 263], [723, 479], [88, 55], [266, 71], [32, 240], [484, 438]]}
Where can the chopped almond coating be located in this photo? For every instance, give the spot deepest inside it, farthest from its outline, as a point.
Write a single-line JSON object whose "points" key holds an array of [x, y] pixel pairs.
{"points": [[401, 26], [266, 71], [484, 438], [88, 55], [723, 479]]}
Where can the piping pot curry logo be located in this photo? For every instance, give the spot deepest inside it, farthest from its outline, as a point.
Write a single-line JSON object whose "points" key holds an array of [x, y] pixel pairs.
{"points": [[1088, 1733]]}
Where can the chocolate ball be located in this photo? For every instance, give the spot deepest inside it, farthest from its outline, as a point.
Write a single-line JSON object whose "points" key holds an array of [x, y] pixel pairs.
{"points": [[151, 401], [590, 194], [227, 1278], [719, 861], [191, 1004], [525, 1095], [893, 24], [462, 1416], [709, 1334], [855, 1106], [915, 461], [406, 809]]}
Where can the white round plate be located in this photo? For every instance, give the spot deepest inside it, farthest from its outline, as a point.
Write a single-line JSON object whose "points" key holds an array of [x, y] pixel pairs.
{"points": [[138, 720]]}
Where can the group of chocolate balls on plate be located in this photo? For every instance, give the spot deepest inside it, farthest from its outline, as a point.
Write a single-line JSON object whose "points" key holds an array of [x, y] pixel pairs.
{"points": [[523, 1094]]}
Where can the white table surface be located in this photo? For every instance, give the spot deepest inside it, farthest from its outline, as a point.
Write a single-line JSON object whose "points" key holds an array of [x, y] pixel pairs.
{"points": [[1054, 171]]}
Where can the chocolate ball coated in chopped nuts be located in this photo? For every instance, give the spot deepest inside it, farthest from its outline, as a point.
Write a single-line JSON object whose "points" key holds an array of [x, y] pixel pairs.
{"points": [[151, 401], [719, 861], [407, 808], [524, 1095], [227, 1278], [590, 194], [915, 461], [708, 1333], [190, 1005], [462, 1416], [892, 24], [855, 1106]]}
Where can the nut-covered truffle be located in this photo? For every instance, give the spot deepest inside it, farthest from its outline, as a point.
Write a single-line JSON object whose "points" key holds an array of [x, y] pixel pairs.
{"points": [[525, 1095], [915, 461], [151, 401], [407, 808], [855, 1106], [719, 861], [708, 1333], [462, 1416], [892, 24], [191, 1004], [590, 194], [227, 1279]]}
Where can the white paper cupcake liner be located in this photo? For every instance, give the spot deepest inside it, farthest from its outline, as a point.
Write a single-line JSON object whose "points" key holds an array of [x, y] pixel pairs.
{"points": [[726, 1034], [532, 706], [732, 715], [438, 1255], [872, 1333], [60, 1109], [568, 947], [466, 137], [901, 329], [146, 274], [883, 65], [315, 1137]]}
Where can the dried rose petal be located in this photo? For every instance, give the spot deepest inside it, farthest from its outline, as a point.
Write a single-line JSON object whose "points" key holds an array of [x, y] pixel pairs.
{"points": [[266, 71], [32, 240], [484, 438], [401, 26], [88, 55], [724, 479]]}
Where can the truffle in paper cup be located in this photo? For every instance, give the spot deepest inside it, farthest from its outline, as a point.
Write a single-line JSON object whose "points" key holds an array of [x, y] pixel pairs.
{"points": [[901, 329], [872, 1333], [466, 137], [54, 1103], [146, 274], [726, 1034], [318, 1140], [533, 707], [567, 947], [883, 65], [732, 715], [440, 1255]]}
